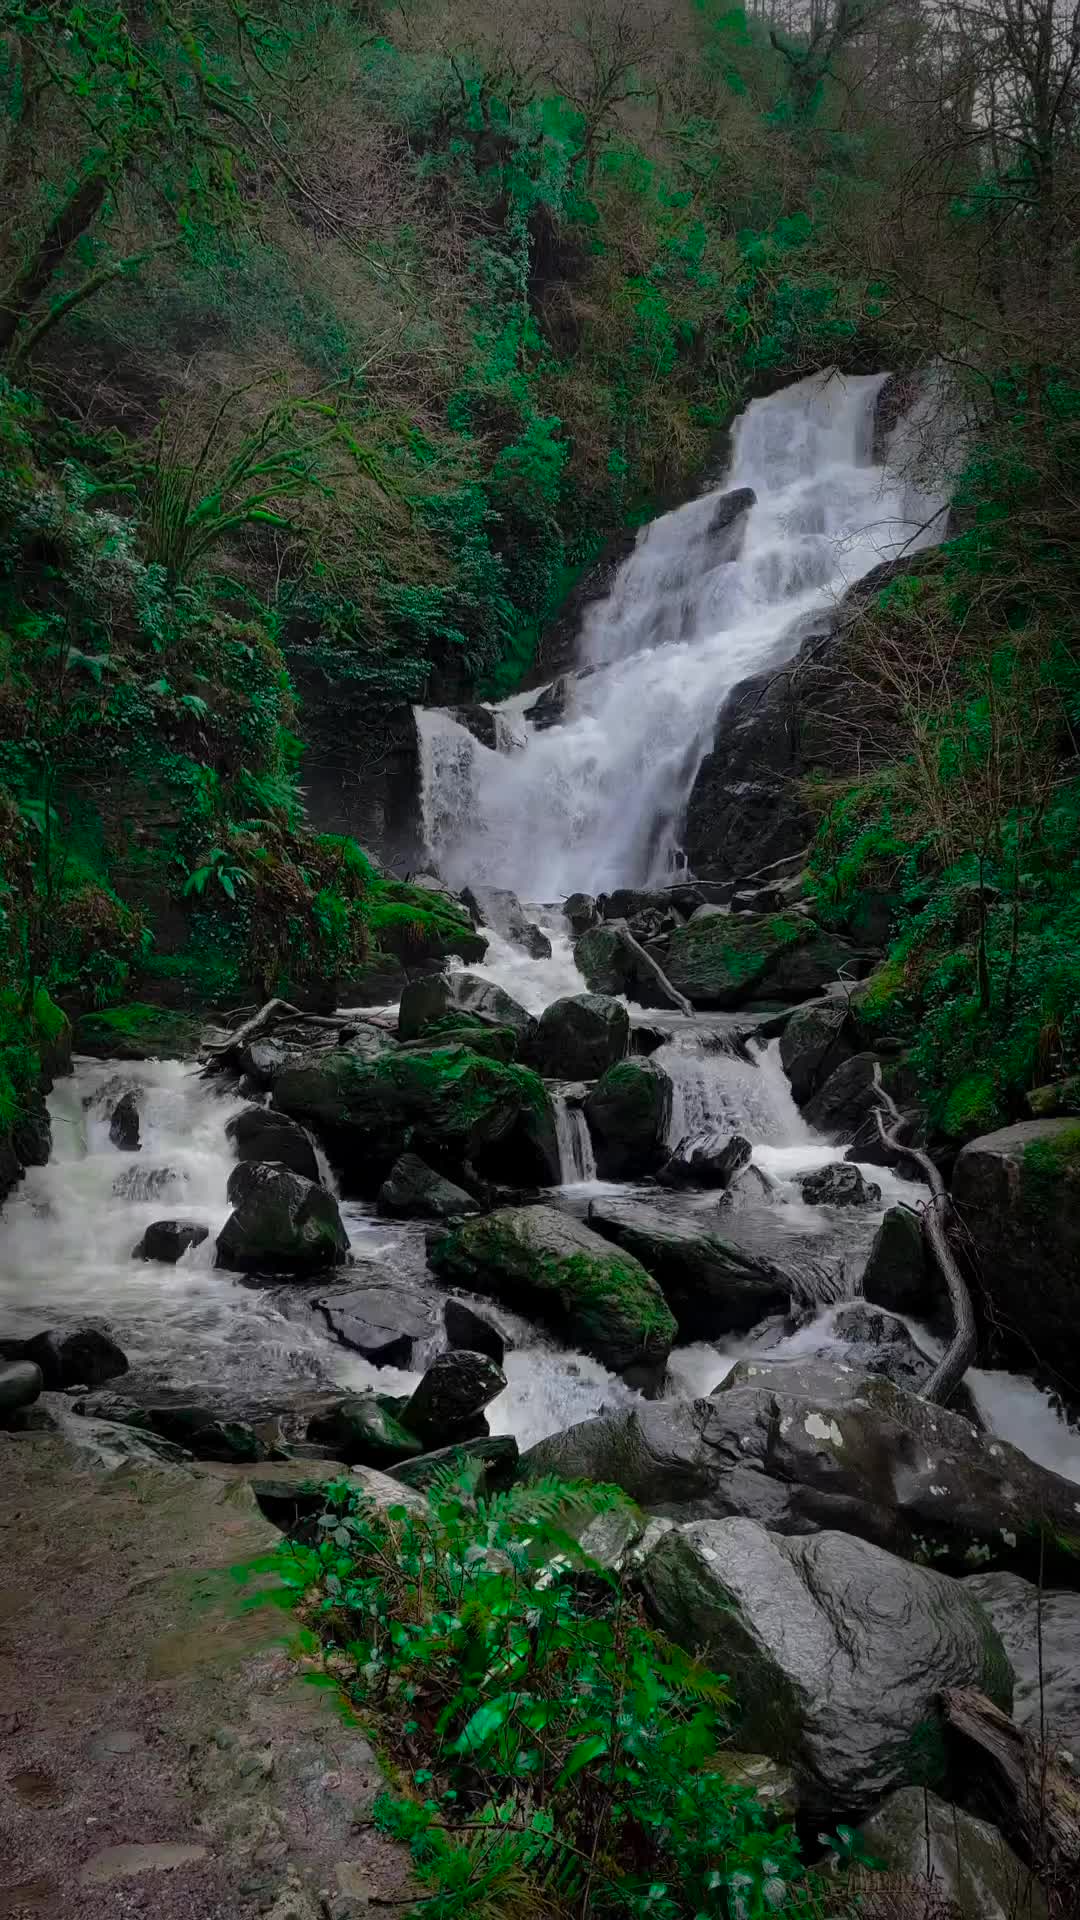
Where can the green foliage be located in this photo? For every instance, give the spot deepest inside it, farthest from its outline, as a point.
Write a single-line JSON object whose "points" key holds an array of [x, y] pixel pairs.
{"points": [[561, 1752]]}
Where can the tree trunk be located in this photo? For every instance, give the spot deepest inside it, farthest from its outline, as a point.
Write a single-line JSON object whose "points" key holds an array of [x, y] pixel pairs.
{"points": [[20, 298], [1023, 1791]]}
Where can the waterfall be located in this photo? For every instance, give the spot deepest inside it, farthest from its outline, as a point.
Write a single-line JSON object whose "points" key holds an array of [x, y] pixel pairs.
{"points": [[598, 799], [576, 1159], [716, 1094]]}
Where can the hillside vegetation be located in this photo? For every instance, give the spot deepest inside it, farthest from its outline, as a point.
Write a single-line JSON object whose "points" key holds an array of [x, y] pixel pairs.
{"points": [[349, 336]]}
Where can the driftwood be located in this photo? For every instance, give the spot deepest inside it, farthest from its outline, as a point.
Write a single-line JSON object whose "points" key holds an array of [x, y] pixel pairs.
{"points": [[275, 1017], [961, 1349], [1034, 1802], [653, 967]]}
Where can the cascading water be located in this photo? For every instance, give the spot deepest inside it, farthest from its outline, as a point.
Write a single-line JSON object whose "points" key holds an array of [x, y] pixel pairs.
{"points": [[597, 801], [577, 1162]]}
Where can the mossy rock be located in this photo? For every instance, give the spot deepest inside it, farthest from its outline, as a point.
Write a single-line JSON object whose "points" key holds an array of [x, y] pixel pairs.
{"points": [[418, 925], [495, 1043], [1018, 1191], [628, 1114], [726, 961], [447, 1103], [138, 1031], [597, 1297]]}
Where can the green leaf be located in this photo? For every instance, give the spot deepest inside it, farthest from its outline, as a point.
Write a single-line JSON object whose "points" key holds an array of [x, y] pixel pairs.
{"points": [[485, 1722], [586, 1751]]}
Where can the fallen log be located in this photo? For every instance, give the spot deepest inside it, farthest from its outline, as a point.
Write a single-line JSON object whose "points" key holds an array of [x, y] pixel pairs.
{"points": [[273, 1017], [963, 1346], [1017, 1784]]}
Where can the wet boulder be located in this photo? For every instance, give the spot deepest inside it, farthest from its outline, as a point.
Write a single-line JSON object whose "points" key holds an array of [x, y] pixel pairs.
{"points": [[414, 1191], [168, 1240], [836, 1651], [436, 997], [281, 1223], [836, 1449], [364, 1429], [938, 1860], [449, 1402], [190, 1426], [392, 1326], [722, 961], [468, 1329], [259, 1134], [446, 1103], [496, 1454], [420, 921], [712, 1286], [707, 1162], [610, 963], [815, 1041], [541, 1261], [846, 1099], [839, 1185], [726, 529], [872, 1341], [1018, 1193], [581, 1036], [898, 1273], [20, 1384], [581, 913], [1040, 1632], [501, 911], [81, 1357], [124, 1124], [628, 1114]]}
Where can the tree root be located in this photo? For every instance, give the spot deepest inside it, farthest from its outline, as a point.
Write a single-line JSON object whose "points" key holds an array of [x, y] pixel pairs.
{"points": [[961, 1350]]}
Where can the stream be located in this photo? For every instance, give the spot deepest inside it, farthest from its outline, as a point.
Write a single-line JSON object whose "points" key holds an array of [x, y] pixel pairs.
{"points": [[593, 801]]}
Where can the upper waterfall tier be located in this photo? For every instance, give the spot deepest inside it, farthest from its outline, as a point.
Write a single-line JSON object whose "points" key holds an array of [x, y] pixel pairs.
{"points": [[711, 593]]}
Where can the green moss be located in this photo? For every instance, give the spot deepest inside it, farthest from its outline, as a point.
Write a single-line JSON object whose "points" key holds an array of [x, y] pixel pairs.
{"points": [[50, 1020], [495, 1043], [971, 1107], [720, 959], [599, 1285], [137, 1031]]}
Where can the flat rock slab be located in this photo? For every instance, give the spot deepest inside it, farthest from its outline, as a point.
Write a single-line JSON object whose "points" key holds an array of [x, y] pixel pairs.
{"points": [[159, 1750]]}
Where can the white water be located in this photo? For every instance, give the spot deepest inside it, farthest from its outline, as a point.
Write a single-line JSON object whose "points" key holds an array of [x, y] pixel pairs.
{"points": [[598, 801], [577, 1162]]}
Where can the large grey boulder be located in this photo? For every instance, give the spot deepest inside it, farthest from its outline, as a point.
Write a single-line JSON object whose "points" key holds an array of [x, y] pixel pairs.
{"points": [[628, 1113], [938, 1859], [707, 1162], [846, 1099], [259, 1134], [281, 1223], [835, 1650], [833, 1448], [364, 1429], [712, 1286], [539, 1260], [414, 1191], [1018, 1193], [168, 1240], [898, 1274], [722, 961], [1041, 1635], [610, 963], [581, 1036], [815, 1041], [501, 911], [75, 1357], [20, 1384]]}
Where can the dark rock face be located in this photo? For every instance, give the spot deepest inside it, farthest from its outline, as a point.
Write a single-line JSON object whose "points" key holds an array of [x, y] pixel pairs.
{"points": [[444, 1102], [1041, 1635], [364, 1429], [85, 1357], [281, 1224], [414, 1191], [470, 1331], [718, 960], [391, 1326], [451, 1397], [746, 809], [898, 1274], [610, 965], [839, 1186], [20, 1383], [1018, 1193], [502, 911], [707, 1163], [848, 1451], [581, 1036], [847, 1098], [124, 1124], [184, 1425], [711, 1286], [581, 912], [550, 706], [726, 530], [166, 1240], [836, 1651], [538, 1259], [361, 772], [258, 1134], [814, 1043], [628, 1113]]}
